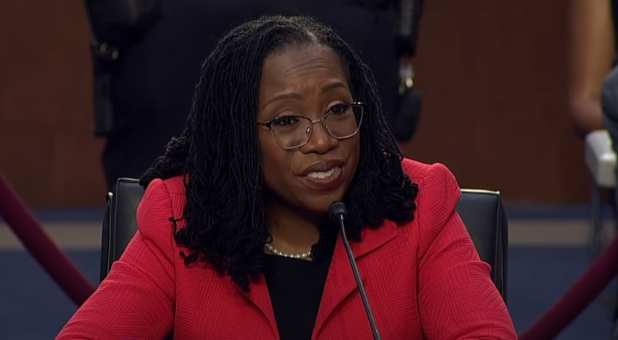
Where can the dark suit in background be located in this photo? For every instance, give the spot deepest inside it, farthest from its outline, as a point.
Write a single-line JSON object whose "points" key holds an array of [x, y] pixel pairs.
{"points": [[152, 82]]}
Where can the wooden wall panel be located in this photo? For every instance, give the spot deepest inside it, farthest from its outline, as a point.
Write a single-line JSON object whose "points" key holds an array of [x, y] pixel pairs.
{"points": [[47, 150], [493, 75]]}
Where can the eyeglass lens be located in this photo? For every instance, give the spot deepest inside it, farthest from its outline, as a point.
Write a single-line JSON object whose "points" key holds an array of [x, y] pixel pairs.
{"points": [[341, 121]]}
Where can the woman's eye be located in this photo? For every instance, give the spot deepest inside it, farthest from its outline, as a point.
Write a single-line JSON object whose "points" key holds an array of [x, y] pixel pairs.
{"points": [[285, 121], [339, 108]]}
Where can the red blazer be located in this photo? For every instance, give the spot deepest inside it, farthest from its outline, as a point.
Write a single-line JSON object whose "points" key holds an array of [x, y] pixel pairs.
{"points": [[424, 280]]}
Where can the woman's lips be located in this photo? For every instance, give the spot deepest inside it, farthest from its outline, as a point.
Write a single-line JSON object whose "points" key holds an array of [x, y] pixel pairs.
{"points": [[325, 179]]}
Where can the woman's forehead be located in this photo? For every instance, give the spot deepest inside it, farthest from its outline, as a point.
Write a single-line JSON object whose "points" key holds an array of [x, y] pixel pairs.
{"points": [[296, 67], [301, 56]]}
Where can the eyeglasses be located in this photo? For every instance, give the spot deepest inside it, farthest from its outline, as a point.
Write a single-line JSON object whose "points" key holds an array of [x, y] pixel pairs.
{"points": [[341, 121]]}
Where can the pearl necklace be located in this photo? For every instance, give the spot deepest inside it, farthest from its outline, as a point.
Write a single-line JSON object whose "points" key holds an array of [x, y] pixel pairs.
{"points": [[278, 252]]}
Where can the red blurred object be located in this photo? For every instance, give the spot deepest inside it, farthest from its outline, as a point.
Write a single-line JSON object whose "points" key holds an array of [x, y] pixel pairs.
{"points": [[580, 295], [41, 247]]}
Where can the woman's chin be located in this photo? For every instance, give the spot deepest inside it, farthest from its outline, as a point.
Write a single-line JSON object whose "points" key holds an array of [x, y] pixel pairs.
{"points": [[319, 205]]}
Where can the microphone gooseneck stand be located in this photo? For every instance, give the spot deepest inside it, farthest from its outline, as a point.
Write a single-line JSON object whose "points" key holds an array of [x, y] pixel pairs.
{"points": [[337, 212]]}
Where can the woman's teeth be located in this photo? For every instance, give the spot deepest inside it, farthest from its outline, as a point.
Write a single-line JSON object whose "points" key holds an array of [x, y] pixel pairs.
{"points": [[323, 174]]}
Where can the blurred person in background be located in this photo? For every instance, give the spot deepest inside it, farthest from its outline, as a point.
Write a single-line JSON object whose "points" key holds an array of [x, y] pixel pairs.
{"points": [[593, 88], [610, 85], [148, 53], [592, 53]]}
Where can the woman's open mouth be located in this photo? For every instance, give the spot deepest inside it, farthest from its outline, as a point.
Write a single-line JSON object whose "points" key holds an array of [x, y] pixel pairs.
{"points": [[325, 176]]}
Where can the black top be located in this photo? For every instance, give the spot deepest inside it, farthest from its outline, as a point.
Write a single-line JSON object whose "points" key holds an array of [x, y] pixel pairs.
{"points": [[295, 288]]}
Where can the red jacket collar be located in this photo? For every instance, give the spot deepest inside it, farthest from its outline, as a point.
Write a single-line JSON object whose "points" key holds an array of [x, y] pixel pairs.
{"points": [[339, 282]]}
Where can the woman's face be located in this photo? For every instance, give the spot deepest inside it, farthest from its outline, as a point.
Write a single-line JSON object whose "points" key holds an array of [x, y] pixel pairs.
{"points": [[306, 80]]}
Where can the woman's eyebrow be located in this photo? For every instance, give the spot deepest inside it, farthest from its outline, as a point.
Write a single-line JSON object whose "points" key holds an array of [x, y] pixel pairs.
{"points": [[282, 96], [295, 95], [332, 86]]}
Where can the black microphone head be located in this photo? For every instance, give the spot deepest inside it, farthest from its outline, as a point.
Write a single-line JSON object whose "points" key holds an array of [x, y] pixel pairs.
{"points": [[336, 209]]}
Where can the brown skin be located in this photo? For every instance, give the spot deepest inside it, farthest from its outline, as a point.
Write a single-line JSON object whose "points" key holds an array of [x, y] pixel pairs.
{"points": [[591, 54], [302, 79]]}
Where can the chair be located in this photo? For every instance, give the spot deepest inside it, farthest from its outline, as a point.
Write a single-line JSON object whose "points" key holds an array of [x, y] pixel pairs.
{"points": [[484, 216], [601, 162], [481, 211], [119, 223]]}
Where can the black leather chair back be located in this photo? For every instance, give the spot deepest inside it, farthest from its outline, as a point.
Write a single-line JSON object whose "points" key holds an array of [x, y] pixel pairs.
{"points": [[484, 216], [119, 223], [481, 211]]}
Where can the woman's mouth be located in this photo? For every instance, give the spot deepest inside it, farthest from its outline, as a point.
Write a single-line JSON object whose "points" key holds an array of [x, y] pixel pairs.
{"points": [[322, 175], [324, 179]]}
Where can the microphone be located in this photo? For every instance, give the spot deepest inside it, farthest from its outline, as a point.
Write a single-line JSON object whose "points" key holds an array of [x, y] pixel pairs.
{"points": [[337, 212]]}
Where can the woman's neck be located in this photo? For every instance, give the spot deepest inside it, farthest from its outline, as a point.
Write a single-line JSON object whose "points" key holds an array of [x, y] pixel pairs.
{"points": [[292, 229]]}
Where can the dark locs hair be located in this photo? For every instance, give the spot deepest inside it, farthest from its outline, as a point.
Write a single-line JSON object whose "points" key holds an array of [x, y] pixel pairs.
{"points": [[219, 154]]}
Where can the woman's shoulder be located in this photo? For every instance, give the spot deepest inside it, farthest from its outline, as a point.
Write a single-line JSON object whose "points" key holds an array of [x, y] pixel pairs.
{"points": [[164, 197], [422, 173], [168, 186], [438, 191], [436, 201], [173, 185]]}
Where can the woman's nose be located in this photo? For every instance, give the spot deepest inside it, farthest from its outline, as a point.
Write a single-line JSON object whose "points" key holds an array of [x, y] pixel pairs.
{"points": [[320, 141]]}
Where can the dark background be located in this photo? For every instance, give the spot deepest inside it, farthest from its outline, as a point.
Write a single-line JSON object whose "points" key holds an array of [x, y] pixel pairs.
{"points": [[493, 75]]}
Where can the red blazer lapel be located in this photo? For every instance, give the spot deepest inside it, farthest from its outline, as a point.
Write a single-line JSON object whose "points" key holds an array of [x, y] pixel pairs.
{"points": [[259, 296], [340, 280]]}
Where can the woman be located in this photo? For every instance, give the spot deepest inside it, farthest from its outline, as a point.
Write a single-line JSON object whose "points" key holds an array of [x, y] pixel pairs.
{"points": [[234, 240]]}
